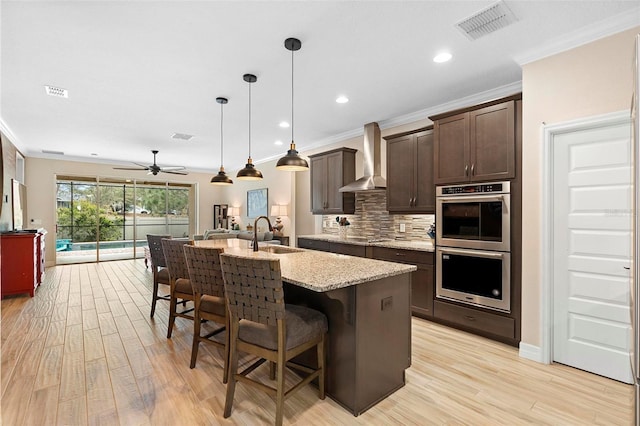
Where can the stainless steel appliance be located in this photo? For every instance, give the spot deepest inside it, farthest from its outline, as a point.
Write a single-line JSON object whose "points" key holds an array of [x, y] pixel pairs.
{"points": [[635, 271], [476, 277], [474, 216], [473, 241]]}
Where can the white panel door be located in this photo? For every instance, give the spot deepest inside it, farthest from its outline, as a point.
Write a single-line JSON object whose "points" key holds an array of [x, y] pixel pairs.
{"points": [[591, 248]]}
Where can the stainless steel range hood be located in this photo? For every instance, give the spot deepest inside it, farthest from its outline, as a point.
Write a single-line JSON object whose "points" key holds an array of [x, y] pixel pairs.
{"points": [[372, 178]]}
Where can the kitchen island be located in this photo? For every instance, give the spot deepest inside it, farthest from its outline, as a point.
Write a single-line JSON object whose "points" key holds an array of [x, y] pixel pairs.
{"points": [[367, 303]]}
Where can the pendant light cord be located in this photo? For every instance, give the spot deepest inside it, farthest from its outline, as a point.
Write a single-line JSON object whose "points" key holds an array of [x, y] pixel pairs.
{"points": [[221, 137], [291, 95], [249, 119]]}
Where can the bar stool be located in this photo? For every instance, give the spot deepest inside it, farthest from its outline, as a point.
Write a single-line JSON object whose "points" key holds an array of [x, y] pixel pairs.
{"points": [[179, 279], [208, 290], [269, 329], [159, 268]]}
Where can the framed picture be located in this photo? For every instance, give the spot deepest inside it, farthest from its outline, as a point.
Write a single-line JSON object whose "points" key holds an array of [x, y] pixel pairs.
{"points": [[257, 202]]}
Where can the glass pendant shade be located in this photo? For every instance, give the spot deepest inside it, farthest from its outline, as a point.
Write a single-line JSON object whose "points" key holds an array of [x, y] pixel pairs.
{"points": [[292, 161], [221, 178], [249, 172]]}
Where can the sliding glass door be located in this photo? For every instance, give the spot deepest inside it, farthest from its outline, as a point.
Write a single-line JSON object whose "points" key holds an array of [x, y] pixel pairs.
{"points": [[108, 219]]}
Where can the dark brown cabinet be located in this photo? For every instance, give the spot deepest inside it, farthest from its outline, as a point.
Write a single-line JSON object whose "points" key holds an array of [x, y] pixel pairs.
{"points": [[481, 322], [475, 145], [330, 171], [410, 185], [313, 244], [349, 249], [422, 289]]}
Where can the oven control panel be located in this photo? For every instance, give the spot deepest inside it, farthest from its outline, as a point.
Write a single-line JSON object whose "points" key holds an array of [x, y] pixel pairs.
{"points": [[480, 188]]}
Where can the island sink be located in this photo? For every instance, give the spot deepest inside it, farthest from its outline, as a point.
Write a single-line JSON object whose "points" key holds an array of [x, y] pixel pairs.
{"points": [[276, 249]]}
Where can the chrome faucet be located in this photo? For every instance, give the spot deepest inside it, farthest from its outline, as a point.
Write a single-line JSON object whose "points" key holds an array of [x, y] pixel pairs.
{"points": [[255, 231]]}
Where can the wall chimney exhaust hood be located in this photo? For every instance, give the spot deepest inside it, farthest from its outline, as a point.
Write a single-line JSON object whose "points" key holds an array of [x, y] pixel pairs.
{"points": [[372, 178]]}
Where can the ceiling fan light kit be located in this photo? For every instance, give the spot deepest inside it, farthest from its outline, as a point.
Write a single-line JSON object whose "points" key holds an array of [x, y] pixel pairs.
{"points": [[249, 172], [221, 178], [292, 161]]}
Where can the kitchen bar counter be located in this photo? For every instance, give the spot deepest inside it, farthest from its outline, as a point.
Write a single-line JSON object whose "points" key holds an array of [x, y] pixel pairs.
{"points": [[363, 241], [368, 305], [317, 271]]}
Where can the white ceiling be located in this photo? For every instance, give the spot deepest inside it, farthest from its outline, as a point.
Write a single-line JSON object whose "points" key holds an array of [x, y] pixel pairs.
{"points": [[137, 72]]}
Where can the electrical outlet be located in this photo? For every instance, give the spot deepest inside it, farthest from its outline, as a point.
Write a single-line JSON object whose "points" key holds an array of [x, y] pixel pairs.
{"points": [[402, 227], [386, 303]]}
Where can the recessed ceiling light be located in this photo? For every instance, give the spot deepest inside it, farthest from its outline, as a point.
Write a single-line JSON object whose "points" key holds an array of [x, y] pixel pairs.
{"points": [[442, 57], [181, 136], [277, 143], [342, 99], [94, 154], [284, 124]]}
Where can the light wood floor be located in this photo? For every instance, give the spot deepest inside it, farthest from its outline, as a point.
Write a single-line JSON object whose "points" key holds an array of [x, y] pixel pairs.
{"points": [[84, 351]]}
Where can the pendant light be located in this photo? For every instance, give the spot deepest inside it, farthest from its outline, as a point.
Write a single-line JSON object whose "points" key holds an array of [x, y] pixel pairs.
{"points": [[221, 178], [249, 172], [292, 162]]}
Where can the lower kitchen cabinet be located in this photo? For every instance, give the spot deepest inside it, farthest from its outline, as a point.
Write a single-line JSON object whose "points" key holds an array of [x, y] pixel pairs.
{"points": [[349, 249], [312, 244], [422, 288], [482, 322]]}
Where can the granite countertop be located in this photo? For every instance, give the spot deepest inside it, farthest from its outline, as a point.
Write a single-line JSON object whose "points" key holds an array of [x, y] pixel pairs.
{"points": [[315, 270], [363, 241]]}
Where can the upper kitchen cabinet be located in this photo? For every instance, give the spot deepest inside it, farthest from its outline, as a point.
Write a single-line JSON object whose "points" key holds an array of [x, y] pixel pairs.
{"points": [[477, 144], [330, 171], [410, 186]]}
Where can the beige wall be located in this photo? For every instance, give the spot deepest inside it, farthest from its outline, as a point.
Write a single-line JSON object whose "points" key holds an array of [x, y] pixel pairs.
{"points": [[40, 179], [589, 80], [281, 186]]}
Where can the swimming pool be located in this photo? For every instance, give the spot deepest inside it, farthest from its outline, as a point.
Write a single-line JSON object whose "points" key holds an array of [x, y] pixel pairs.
{"points": [[108, 245]]}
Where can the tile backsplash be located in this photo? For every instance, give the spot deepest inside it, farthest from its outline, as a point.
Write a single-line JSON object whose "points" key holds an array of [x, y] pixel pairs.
{"points": [[372, 220]]}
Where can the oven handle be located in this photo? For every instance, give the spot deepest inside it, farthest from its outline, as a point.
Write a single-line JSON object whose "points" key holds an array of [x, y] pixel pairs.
{"points": [[474, 253], [467, 199]]}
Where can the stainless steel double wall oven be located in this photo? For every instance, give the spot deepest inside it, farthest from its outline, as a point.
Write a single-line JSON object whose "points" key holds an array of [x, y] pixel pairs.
{"points": [[473, 244]]}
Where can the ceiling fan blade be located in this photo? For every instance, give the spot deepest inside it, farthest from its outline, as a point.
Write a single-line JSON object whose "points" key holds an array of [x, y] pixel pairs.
{"points": [[164, 169], [131, 168], [174, 173], [141, 165]]}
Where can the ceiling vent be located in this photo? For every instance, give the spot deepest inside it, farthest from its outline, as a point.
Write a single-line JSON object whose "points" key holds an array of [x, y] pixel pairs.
{"points": [[181, 136], [491, 19], [47, 151], [56, 91]]}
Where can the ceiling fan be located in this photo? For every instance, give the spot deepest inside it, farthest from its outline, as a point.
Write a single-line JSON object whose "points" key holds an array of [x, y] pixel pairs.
{"points": [[154, 169]]}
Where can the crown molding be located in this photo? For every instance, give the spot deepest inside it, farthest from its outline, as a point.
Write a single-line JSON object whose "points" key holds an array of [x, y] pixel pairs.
{"points": [[6, 130], [612, 25], [477, 98], [423, 114]]}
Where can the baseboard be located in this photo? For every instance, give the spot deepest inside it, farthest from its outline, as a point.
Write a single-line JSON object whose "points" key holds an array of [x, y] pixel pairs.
{"points": [[530, 352]]}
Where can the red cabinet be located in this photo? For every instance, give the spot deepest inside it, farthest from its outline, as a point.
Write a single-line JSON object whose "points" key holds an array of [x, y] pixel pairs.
{"points": [[22, 262]]}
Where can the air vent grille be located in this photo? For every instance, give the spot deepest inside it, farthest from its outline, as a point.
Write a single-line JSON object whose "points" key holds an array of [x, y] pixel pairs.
{"points": [[47, 151], [491, 19], [181, 136], [56, 91]]}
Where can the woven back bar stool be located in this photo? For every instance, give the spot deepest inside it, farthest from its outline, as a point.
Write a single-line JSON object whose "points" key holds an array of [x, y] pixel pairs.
{"points": [[205, 274], [179, 279], [261, 324], [159, 268]]}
